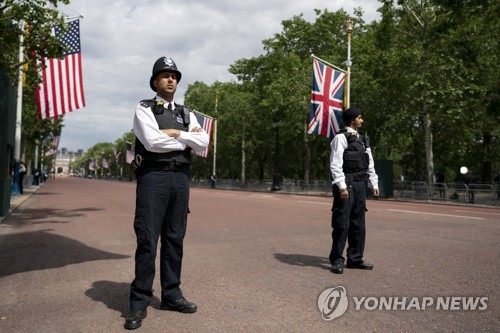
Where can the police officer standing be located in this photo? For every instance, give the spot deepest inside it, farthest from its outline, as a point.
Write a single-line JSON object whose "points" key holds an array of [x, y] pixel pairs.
{"points": [[351, 164], [166, 132]]}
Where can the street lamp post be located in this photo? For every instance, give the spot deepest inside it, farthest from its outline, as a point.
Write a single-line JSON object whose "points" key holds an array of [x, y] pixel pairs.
{"points": [[276, 186], [348, 64], [16, 189]]}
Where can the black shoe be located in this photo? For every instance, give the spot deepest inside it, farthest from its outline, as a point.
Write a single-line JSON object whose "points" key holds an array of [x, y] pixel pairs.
{"points": [[134, 319], [181, 305], [360, 265], [337, 269]]}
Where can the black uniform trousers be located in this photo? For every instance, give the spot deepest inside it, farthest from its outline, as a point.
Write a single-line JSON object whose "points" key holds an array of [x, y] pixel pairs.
{"points": [[162, 199], [348, 223]]}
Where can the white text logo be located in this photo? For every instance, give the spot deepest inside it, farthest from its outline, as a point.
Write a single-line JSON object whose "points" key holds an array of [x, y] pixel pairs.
{"points": [[332, 303], [421, 303]]}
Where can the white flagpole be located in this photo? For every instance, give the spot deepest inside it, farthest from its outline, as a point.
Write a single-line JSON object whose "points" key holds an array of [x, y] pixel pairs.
{"points": [[19, 110], [71, 18], [348, 63], [326, 62], [215, 137], [16, 189]]}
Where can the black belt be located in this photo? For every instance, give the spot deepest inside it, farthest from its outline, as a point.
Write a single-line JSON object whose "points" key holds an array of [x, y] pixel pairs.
{"points": [[359, 177], [165, 166]]}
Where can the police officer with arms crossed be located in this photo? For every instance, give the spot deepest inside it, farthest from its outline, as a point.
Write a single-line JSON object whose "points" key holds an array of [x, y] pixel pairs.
{"points": [[166, 132], [351, 164]]}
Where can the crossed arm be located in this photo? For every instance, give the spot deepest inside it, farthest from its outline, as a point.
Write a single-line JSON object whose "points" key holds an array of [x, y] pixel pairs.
{"points": [[176, 133]]}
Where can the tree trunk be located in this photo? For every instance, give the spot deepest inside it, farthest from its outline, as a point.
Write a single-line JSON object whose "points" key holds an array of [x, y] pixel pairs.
{"points": [[487, 167], [307, 155], [243, 162], [428, 147]]}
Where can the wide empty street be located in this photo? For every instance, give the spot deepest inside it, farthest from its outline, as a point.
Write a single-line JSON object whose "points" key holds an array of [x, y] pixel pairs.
{"points": [[253, 262]]}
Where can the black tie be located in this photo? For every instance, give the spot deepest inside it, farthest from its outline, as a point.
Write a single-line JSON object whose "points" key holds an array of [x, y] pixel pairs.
{"points": [[169, 107]]}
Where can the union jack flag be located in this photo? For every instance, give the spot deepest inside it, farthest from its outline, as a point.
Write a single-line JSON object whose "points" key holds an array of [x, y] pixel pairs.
{"points": [[326, 100], [205, 123]]}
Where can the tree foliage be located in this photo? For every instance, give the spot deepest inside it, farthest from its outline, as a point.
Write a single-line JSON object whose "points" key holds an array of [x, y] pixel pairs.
{"points": [[34, 21], [427, 70], [425, 77]]}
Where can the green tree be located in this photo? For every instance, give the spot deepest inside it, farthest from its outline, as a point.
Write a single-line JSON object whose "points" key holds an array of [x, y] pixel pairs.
{"points": [[39, 17], [34, 21], [281, 82], [428, 74], [428, 69]]}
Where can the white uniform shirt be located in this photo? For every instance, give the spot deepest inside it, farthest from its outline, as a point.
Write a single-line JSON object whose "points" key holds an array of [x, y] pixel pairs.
{"points": [[338, 145], [148, 132]]}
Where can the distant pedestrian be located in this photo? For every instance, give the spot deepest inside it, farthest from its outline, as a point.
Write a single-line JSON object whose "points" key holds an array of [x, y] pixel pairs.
{"points": [[496, 184], [166, 132], [213, 181], [351, 164], [22, 174], [439, 182], [402, 178], [36, 178], [470, 180]]}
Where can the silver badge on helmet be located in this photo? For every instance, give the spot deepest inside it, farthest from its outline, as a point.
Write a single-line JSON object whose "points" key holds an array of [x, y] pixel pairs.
{"points": [[168, 61]]}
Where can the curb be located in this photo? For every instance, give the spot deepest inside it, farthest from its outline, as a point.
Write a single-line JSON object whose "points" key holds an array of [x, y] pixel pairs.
{"points": [[17, 200]]}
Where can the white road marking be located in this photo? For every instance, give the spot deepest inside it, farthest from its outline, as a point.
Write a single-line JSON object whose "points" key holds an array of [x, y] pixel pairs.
{"points": [[448, 215], [468, 211], [262, 196], [315, 202]]}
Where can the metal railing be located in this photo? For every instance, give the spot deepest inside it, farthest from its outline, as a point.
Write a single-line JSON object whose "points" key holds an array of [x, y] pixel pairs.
{"points": [[482, 194], [460, 193], [485, 194]]}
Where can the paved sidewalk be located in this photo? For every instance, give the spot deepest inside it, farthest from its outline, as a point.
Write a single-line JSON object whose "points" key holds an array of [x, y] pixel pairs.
{"points": [[17, 200], [253, 262]]}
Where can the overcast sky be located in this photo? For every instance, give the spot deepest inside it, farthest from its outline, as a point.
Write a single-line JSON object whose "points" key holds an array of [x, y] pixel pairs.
{"points": [[121, 40]]}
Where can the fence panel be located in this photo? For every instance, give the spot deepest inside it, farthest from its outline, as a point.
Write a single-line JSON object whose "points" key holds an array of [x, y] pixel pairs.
{"points": [[483, 194]]}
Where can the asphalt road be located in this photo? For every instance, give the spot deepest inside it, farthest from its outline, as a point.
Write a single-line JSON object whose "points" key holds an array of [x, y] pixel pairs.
{"points": [[254, 262]]}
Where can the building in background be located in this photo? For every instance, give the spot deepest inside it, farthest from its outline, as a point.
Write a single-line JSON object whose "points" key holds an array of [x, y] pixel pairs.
{"points": [[64, 158]]}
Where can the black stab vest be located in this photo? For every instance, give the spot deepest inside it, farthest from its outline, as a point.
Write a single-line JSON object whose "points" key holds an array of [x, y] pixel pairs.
{"points": [[178, 118], [356, 158]]}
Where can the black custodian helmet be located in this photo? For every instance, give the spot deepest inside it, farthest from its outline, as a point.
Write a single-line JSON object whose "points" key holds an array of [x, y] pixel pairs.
{"points": [[164, 64]]}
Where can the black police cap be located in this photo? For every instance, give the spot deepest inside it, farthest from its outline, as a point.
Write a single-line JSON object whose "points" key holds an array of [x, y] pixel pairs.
{"points": [[161, 65]]}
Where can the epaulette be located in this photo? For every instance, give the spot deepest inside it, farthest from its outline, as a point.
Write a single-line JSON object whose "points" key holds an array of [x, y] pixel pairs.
{"points": [[155, 105], [347, 134], [147, 103]]}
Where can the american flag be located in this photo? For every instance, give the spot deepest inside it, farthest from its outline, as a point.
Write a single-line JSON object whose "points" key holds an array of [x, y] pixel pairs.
{"points": [[105, 163], [205, 123], [326, 100], [61, 90], [116, 154], [130, 153], [91, 165], [53, 142]]}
